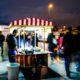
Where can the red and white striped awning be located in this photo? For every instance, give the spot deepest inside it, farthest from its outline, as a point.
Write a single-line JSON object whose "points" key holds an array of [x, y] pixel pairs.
{"points": [[31, 22]]}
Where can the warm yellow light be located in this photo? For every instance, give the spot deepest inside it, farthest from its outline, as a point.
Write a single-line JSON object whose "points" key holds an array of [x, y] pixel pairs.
{"points": [[50, 6]]}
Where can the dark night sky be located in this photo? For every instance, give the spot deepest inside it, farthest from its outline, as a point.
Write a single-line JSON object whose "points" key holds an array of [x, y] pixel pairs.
{"points": [[65, 12]]}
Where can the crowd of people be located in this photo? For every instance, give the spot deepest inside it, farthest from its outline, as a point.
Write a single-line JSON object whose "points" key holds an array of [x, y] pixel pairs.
{"points": [[65, 40]]}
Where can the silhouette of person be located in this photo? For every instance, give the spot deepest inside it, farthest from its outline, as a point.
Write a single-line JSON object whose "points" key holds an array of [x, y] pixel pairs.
{"points": [[2, 38]]}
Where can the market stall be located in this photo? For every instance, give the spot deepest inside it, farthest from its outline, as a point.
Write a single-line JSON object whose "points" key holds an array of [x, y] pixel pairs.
{"points": [[39, 26], [32, 56]]}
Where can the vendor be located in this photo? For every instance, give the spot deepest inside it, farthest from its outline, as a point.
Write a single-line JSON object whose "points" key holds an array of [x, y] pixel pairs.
{"points": [[28, 44]]}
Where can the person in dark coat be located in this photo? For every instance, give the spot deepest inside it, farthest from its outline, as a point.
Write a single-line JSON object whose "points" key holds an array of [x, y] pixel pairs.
{"points": [[78, 48], [12, 43], [70, 44], [2, 38], [67, 50]]}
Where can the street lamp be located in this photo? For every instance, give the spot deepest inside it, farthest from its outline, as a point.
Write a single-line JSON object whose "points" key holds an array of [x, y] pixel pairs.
{"points": [[50, 8]]}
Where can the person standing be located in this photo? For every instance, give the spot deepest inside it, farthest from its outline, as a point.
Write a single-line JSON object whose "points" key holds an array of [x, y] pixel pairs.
{"points": [[12, 43], [71, 48], [51, 43], [67, 50], [34, 41], [2, 39], [78, 48]]}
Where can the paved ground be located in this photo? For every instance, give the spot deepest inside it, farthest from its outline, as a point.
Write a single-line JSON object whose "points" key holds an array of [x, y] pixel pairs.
{"points": [[4, 73], [56, 69]]}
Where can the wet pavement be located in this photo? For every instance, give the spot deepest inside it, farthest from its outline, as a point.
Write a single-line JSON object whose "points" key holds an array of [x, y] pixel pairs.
{"points": [[56, 70]]}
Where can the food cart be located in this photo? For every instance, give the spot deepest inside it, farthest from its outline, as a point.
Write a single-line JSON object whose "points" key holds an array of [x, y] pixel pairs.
{"points": [[36, 57]]}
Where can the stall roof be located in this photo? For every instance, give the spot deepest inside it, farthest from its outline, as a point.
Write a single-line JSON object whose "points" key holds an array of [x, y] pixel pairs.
{"points": [[31, 22]]}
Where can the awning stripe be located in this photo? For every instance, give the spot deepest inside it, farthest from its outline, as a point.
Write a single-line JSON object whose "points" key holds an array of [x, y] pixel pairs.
{"points": [[31, 22]]}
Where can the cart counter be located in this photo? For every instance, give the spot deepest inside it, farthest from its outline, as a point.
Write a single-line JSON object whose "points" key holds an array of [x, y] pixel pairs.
{"points": [[32, 59]]}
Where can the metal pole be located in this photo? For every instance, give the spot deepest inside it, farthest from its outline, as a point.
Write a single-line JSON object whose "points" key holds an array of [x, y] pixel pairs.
{"points": [[19, 39], [44, 38], [35, 38]]}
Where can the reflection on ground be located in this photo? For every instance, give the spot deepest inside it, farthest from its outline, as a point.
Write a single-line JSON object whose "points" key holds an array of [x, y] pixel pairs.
{"points": [[55, 66]]}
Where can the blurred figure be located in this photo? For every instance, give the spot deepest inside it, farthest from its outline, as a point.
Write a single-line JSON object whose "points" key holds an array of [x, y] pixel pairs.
{"points": [[52, 43], [20, 39], [78, 46], [28, 44], [60, 40], [2, 38], [67, 50], [71, 47], [12, 43], [33, 40], [49, 40], [37, 39], [60, 48], [64, 29]]}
